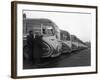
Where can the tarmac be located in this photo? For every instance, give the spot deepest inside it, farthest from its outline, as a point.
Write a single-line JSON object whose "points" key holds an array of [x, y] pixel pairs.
{"points": [[73, 59]]}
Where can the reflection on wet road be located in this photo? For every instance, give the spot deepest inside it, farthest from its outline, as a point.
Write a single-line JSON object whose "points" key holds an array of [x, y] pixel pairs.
{"points": [[76, 58]]}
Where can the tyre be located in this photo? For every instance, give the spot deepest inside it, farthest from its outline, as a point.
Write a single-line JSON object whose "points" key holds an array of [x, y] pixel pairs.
{"points": [[27, 53]]}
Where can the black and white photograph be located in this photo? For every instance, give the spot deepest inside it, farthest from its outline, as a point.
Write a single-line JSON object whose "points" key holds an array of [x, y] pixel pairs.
{"points": [[54, 39]]}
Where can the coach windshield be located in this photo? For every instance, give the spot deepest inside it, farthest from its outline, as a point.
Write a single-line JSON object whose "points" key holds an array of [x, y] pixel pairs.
{"points": [[47, 30]]}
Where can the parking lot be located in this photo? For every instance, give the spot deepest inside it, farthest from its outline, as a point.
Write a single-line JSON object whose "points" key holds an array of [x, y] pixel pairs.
{"points": [[73, 59]]}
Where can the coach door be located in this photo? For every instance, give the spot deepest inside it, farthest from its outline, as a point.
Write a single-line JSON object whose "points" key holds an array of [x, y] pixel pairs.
{"points": [[37, 29]]}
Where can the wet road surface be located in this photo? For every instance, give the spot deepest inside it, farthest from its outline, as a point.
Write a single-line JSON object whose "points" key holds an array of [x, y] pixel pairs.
{"points": [[73, 59]]}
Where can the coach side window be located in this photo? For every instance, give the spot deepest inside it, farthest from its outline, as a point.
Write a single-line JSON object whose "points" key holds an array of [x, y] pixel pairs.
{"points": [[67, 36], [44, 31]]}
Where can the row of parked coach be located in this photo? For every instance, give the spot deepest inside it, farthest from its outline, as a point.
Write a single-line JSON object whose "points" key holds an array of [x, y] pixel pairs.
{"points": [[52, 40]]}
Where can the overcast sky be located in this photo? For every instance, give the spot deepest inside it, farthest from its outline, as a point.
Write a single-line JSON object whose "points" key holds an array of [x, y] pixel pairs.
{"points": [[75, 23]]}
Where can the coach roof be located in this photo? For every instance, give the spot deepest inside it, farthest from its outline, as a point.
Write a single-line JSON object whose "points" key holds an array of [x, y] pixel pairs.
{"points": [[38, 20]]}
